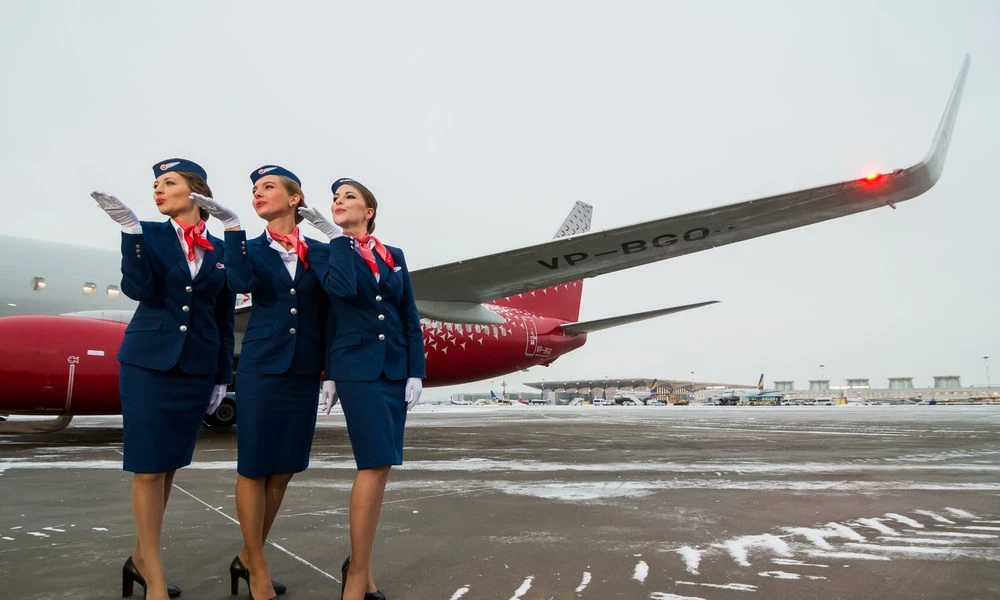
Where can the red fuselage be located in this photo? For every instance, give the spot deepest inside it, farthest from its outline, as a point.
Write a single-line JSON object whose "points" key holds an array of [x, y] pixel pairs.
{"points": [[66, 365]]}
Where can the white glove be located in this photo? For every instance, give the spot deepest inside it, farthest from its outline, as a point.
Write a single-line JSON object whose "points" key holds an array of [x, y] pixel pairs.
{"points": [[218, 393], [414, 386], [326, 227], [230, 220], [117, 210], [328, 396]]}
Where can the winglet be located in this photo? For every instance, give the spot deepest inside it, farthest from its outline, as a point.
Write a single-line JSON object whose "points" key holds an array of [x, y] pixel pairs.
{"points": [[934, 160]]}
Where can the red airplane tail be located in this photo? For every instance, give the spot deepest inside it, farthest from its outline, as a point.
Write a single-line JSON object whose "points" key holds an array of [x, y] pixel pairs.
{"points": [[559, 301]]}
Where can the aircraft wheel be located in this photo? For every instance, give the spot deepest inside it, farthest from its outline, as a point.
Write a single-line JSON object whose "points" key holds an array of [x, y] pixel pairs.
{"points": [[224, 416]]}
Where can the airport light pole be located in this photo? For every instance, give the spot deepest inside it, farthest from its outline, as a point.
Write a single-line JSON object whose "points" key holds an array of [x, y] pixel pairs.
{"points": [[692, 386], [821, 371], [986, 361]]}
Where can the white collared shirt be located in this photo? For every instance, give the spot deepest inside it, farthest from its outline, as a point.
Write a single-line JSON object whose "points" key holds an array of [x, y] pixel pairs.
{"points": [[289, 257], [199, 253]]}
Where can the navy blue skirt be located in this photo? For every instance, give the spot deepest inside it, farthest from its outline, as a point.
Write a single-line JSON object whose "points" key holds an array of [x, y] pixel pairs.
{"points": [[376, 417], [275, 421], [162, 413]]}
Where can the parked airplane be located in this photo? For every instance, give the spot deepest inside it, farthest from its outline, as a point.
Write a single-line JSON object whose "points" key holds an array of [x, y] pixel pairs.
{"points": [[62, 314]]}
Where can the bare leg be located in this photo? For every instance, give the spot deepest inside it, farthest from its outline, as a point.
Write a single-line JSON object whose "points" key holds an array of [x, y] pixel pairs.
{"points": [[274, 493], [147, 508], [250, 508], [168, 482], [366, 507]]}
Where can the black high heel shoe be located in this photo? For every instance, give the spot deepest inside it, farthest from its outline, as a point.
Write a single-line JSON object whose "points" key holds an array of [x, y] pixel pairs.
{"points": [[376, 595], [131, 576], [238, 570]]}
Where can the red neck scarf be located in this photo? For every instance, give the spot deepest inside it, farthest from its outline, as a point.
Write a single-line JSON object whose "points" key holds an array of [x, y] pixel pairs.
{"points": [[293, 240], [366, 252], [193, 235]]}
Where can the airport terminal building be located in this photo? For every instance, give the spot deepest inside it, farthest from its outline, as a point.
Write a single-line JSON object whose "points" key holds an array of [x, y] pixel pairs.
{"points": [[945, 389]]}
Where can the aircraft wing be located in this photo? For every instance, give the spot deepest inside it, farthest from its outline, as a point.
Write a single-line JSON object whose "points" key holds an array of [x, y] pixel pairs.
{"points": [[568, 259]]}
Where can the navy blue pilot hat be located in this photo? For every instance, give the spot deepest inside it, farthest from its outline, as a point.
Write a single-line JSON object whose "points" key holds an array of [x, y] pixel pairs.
{"points": [[273, 170], [342, 181], [179, 164]]}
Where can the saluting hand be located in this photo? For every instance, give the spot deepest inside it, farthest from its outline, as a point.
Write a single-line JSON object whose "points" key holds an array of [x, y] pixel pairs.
{"points": [[328, 396], [414, 386], [117, 210], [218, 393], [230, 220], [326, 227]]}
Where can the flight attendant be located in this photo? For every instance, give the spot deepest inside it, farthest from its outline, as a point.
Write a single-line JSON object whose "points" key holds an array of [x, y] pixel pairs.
{"points": [[281, 360], [177, 353], [375, 363]]}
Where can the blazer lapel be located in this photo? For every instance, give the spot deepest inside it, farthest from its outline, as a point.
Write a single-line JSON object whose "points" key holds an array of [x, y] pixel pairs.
{"points": [[211, 258], [272, 259], [175, 257]]}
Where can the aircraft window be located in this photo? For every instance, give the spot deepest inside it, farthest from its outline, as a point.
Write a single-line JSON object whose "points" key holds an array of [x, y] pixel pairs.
{"points": [[479, 329], [494, 330], [89, 288], [113, 291], [38, 283]]}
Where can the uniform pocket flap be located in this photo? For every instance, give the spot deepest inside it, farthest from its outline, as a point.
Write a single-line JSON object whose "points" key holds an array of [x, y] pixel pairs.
{"points": [[344, 341], [257, 333], [144, 325]]}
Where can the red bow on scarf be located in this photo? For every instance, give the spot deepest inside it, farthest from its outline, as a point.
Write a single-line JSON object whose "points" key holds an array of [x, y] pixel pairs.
{"points": [[293, 239], [366, 252], [193, 236]]}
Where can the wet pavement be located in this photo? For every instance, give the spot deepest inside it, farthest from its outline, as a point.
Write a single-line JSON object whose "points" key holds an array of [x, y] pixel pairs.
{"points": [[665, 503]]}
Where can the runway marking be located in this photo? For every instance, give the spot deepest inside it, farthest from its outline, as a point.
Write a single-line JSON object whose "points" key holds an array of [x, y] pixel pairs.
{"points": [[739, 587], [459, 592], [666, 596], [525, 586], [956, 534], [958, 512], [934, 516], [99, 528], [982, 528], [37, 534], [799, 563], [924, 540], [273, 544], [641, 571], [904, 520], [9, 539], [55, 529], [583, 582]]}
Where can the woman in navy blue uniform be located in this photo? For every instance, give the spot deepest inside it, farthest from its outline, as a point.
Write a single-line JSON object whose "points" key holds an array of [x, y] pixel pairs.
{"points": [[375, 363], [281, 360], [176, 356]]}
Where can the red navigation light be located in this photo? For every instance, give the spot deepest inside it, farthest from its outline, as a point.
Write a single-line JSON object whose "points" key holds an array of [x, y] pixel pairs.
{"points": [[872, 178]]}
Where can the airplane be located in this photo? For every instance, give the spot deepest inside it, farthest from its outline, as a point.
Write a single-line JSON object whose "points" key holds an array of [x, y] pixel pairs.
{"points": [[62, 313]]}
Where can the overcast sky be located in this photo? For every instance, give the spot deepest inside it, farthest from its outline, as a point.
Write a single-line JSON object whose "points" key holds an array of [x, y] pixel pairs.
{"points": [[478, 125]]}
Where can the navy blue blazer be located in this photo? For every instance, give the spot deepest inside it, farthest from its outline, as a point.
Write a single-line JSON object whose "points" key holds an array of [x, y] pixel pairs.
{"points": [[288, 318], [378, 328], [180, 322]]}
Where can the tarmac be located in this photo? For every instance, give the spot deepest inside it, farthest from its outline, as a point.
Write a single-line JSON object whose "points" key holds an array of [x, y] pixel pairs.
{"points": [[664, 503]]}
